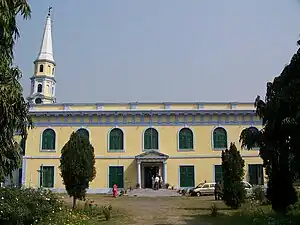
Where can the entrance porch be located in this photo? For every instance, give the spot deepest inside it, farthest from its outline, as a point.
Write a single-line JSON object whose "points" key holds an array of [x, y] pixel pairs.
{"points": [[149, 164]]}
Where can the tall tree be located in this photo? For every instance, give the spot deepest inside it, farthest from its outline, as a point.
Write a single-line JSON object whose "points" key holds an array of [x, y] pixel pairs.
{"points": [[77, 166], [233, 174], [279, 140], [14, 110]]}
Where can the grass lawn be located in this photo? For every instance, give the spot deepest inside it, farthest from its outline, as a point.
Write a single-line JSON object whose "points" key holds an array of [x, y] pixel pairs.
{"points": [[173, 210]]}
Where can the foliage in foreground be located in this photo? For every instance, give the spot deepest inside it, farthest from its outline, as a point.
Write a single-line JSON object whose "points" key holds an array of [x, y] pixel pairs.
{"points": [[233, 173], [14, 110], [279, 140], [41, 206], [77, 166]]}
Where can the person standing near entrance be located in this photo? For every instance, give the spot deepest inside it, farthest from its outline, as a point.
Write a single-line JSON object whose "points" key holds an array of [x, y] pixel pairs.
{"points": [[160, 182], [115, 191], [156, 182]]}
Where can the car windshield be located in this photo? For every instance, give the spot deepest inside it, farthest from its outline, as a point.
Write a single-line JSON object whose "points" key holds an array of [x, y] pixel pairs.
{"points": [[199, 185]]}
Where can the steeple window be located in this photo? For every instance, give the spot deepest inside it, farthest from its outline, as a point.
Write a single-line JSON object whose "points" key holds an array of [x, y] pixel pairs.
{"points": [[40, 88], [41, 68]]}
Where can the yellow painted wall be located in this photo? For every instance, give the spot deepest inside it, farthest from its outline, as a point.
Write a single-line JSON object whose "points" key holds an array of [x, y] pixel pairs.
{"points": [[133, 142]]}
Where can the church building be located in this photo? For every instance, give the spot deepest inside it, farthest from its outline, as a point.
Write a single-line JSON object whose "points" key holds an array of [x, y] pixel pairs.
{"points": [[181, 141]]}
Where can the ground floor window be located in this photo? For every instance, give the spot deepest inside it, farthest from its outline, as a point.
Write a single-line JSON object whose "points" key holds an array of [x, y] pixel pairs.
{"points": [[116, 176], [218, 173], [187, 176], [47, 176], [256, 174]]}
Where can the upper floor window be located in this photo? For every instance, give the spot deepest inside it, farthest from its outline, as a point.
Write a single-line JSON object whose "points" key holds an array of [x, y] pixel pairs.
{"points": [[41, 68], [22, 146], [48, 139], [83, 132], [116, 139], [40, 88], [186, 139], [52, 71], [150, 139], [219, 138], [252, 133]]}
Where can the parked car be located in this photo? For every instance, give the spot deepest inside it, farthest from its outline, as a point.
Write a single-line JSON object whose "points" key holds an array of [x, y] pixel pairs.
{"points": [[203, 189], [209, 189]]}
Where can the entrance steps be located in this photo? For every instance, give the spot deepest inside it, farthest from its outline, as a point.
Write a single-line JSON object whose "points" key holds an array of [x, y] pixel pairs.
{"points": [[147, 192]]}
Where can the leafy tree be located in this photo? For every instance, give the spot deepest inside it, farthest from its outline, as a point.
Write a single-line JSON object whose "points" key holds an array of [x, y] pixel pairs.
{"points": [[14, 110], [77, 166], [279, 140], [233, 174]]}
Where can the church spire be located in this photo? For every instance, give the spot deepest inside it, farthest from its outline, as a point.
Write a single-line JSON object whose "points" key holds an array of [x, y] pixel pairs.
{"points": [[43, 82], [46, 51]]}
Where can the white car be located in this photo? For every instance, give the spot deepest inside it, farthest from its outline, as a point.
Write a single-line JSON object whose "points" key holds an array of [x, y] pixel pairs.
{"points": [[209, 189]]}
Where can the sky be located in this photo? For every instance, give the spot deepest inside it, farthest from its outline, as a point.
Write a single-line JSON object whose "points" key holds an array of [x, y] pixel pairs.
{"points": [[162, 50]]}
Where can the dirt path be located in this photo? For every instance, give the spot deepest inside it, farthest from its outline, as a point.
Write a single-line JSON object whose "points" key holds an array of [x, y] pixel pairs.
{"points": [[160, 210]]}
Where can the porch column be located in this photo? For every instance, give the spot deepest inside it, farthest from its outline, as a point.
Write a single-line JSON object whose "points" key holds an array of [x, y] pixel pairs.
{"points": [[139, 173], [165, 172]]}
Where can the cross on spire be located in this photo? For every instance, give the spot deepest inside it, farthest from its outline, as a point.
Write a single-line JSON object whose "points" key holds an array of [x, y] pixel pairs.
{"points": [[49, 10]]}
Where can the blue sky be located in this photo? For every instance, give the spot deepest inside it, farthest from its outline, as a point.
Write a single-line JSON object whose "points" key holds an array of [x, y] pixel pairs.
{"points": [[162, 50]]}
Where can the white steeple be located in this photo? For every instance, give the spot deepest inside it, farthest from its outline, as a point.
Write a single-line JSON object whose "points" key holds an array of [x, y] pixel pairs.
{"points": [[46, 51], [43, 80]]}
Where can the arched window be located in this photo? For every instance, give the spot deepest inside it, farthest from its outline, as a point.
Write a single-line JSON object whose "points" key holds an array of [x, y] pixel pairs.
{"points": [[251, 134], [83, 132], [116, 139], [41, 68], [186, 140], [40, 88], [38, 101], [220, 138], [48, 139], [150, 139], [52, 71]]}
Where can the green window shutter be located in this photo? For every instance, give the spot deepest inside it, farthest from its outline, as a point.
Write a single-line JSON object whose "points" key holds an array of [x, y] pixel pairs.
{"points": [[47, 176], [116, 139], [186, 139], [187, 176], [48, 139], [218, 173], [116, 176], [220, 138], [151, 139]]}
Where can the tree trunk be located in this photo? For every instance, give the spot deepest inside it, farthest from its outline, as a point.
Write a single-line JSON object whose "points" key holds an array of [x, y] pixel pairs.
{"points": [[74, 202]]}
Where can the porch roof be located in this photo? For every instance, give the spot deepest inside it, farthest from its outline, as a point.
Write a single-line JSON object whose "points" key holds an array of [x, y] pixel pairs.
{"points": [[152, 155]]}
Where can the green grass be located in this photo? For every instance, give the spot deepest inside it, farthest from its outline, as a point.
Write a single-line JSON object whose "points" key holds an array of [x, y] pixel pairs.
{"points": [[183, 210]]}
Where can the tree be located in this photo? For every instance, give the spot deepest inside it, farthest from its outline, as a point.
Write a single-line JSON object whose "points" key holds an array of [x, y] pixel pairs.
{"points": [[77, 166], [14, 110], [233, 174], [279, 140]]}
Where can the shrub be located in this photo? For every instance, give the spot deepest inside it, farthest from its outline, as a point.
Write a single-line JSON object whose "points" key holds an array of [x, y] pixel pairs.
{"points": [[106, 210], [137, 185], [27, 206], [234, 193], [214, 210], [167, 185]]}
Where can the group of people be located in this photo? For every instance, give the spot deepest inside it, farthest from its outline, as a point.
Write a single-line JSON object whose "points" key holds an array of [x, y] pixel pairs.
{"points": [[157, 182]]}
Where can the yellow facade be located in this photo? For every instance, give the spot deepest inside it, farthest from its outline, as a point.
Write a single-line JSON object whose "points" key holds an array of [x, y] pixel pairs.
{"points": [[133, 119]]}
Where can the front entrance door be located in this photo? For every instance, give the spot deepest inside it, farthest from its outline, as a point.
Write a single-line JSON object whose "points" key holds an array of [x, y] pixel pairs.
{"points": [[149, 172]]}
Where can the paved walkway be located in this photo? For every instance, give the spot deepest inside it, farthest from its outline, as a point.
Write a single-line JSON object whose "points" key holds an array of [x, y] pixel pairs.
{"points": [[153, 193]]}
